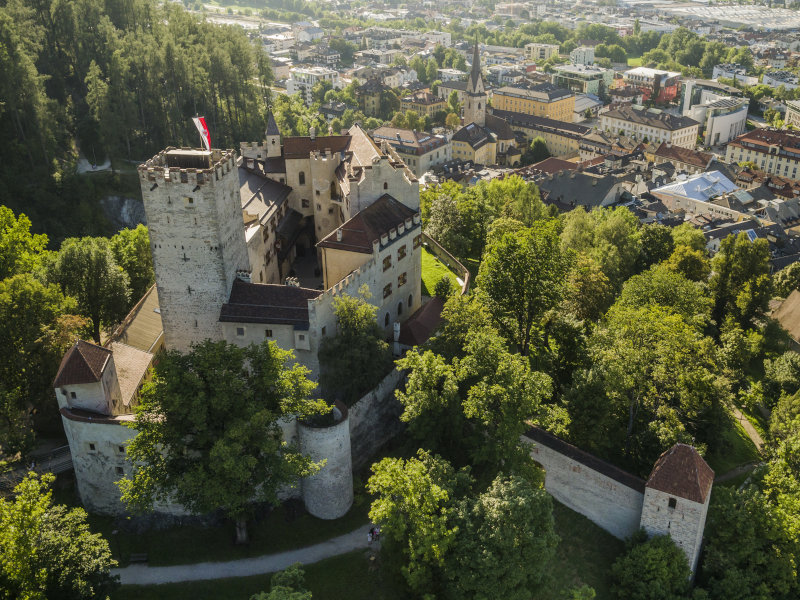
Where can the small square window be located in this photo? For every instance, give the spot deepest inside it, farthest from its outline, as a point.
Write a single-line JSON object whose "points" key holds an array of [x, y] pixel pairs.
{"points": [[401, 280], [121, 449], [387, 290], [417, 241], [119, 470], [73, 395], [188, 201], [401, 252], [672, 503], [301, 337], [268, 333], [387, 263], [92, 447], [305, 203], [240, 332]]}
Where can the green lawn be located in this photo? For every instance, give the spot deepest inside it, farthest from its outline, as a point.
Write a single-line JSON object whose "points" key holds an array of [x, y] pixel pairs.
{"points": [[757, 420], [583, 557], [736, 449], [432, 271], [635, 62]]}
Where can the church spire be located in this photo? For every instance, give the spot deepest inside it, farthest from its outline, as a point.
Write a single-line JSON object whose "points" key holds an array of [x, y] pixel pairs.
{"points": [[475, 75]]}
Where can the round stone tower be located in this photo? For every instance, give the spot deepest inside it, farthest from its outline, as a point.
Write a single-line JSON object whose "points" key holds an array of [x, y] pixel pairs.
{"points": [[328, 494], [676, 499]]}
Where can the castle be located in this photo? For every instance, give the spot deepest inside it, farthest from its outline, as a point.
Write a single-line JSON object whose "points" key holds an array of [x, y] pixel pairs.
{"points": [[247, 249]]}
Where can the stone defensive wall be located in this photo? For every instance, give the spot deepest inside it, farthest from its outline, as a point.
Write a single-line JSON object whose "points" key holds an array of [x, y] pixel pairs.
{"points": [[608, 496], [448, 260], [375, 419]]}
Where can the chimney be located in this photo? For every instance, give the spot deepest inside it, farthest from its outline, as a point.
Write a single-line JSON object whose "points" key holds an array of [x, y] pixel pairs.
{"points": [[312, 133], [339, 234], [669, 144]]}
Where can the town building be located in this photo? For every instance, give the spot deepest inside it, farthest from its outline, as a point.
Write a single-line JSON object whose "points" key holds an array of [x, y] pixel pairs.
{"points": [[734, 71], [704, 91], [721, 120], [774, 151], [793, 113], [543, 100], [583, 79], [369, 96], [423, 103], [683, 159], [776, 79], [303, 79], [652, 124], [540, 52], [562, 138], [582, 55], [420, 150], [659, 86]]}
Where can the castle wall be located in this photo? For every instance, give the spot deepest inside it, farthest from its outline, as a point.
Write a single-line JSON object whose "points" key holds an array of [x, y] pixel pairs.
{"points": [[366, 191], [684, 523], [300, 192], [328, 494], [337, 264], [608, 503], [375, 419], [327, 212]]}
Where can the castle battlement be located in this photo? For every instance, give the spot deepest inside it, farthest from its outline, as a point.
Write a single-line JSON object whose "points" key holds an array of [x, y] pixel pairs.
{"points": [[187, 165]]}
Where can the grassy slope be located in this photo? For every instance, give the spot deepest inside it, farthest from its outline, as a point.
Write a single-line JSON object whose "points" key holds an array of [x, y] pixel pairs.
{"points": [[737, 448], [432, 271], [584, 556]]}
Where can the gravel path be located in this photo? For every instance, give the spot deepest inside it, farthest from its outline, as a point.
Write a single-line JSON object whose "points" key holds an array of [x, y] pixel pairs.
{"points": [[145, 575]]}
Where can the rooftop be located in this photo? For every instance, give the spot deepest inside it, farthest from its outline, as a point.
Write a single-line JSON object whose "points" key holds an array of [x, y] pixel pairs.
{"points": [[650, 117], [267, 303], [543, 92], [84, 362], [703, 187], [682, 472], [670, 152], [368, 226], [142, 328]]}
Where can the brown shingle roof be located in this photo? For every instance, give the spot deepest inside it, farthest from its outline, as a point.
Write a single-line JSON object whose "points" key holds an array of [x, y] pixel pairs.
{"points": [[302, 146], [368, 225], [421, 325], [681, 471], [83, 363], [685, 155], [267, 303]]}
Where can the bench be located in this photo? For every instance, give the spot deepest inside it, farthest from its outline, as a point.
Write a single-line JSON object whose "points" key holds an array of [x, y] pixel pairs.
{"points": [[138, 558]]}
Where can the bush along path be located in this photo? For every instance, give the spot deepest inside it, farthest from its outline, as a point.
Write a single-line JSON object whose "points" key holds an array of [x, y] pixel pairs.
{"points": [[271, 563]]}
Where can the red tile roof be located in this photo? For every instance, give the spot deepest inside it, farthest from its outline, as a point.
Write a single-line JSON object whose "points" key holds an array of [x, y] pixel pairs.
{"points": [[83, 363], [682, 472]]}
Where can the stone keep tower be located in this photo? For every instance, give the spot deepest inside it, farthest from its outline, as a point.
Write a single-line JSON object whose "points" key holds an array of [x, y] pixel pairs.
{"points": [[676, 499], [194, 215], [475, 101]]}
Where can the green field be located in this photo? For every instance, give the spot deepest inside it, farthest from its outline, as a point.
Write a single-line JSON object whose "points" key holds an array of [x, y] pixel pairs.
{"points": [[584, 556], [432, 271], [635, 62]]}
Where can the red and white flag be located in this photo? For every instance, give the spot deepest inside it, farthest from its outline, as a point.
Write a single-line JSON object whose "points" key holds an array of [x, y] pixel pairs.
{"points": [[200, 123]]}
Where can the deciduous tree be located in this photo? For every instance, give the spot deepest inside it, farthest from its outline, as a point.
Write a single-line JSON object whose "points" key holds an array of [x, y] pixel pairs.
{"points": [[131, 249], [48, 551], [654, 569], [208, 433]]}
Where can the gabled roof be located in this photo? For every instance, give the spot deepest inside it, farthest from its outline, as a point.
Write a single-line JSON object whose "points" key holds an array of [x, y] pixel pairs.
{"points": [[499, 127], [670, 152], [704, 187], [267, 303], [651, 118], [474, 135], [302, 146], [368, 225], [259, 194], [83, 363], [682, 472]]}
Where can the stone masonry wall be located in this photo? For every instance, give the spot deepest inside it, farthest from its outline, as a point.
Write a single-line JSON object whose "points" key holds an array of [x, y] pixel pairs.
{"points": [[605, 501], [375, 419]]}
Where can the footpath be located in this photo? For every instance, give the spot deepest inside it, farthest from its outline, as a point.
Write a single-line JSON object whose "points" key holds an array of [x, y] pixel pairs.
{"points": [[245, 567]]}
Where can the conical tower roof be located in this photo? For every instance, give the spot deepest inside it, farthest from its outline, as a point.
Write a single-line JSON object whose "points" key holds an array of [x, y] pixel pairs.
{"points": [[475, 74], [272, 126]]}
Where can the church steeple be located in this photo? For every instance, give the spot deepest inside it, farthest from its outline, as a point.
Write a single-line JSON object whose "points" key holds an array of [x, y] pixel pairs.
{"points": [[273, 137], [475, 101]]}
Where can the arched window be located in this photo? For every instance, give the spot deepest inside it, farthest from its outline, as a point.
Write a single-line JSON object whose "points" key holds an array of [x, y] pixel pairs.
{"points": [[385, 185], [386, 319], [302, 178], [399, 308], [410, 300]]}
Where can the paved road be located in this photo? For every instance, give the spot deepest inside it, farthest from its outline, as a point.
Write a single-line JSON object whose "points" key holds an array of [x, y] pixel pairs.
{"points": [[144, 575]]}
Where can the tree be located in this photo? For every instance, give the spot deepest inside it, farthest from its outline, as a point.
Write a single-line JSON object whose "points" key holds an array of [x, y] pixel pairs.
{"points": [[86, 270], [687, 235], [413, 505], [663, 287], [47, 551], [357, 347], [36, 328], [504, 542], [20, 250], [208, 433], [452, 121], [522, 277], [655, 569], [131, 249], [288, 584], [538, 150], [656, 245], [740, 282], [747, 553], [689, 262], [443, 287], [787, 279], [589, 293]]}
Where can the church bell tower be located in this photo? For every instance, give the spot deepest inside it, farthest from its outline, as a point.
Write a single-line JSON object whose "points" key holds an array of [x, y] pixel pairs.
{"points": [[475, 100]]}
